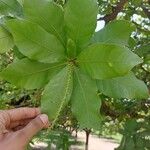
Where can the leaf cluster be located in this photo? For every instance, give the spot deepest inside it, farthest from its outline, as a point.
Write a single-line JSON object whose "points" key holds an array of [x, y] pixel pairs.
{"points": [[58, 50]]}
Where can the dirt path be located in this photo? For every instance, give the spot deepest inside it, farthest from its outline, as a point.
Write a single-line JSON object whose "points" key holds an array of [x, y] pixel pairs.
{"points": [[96, 143]]}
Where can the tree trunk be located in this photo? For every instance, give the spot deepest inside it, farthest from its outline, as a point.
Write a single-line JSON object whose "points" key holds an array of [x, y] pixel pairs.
{"points": [[87, 131], [76, 130]]}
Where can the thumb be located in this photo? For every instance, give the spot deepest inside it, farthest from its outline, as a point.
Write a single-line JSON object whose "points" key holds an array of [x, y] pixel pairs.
{"points": [[34, 127]]}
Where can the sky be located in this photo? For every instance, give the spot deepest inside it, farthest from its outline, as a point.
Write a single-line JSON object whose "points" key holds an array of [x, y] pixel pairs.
{"points": [[100, 25]]}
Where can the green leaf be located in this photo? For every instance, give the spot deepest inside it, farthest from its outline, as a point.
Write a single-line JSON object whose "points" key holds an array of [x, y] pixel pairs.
{"points": [[143, 50], [136, 3], [21, 2], [57, 93], [132, 43], [103, 61], [80, 20], [71, 48], [6, 40], [36, 43], [29, 74], [85, 101], [122, 144], [127, 144], [10, 7], [130, 145], [17, 53], [47, 14], [116, 32], [124, 87]]}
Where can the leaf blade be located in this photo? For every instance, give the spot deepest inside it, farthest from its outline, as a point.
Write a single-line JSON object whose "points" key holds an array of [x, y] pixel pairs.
{"points": [[85, 101], [102, 61], [6, 40], [57, 93], [42, 12], [29, 74], [8, 7], [76, 12], [116, 32], [124, 87], [36, 43]]}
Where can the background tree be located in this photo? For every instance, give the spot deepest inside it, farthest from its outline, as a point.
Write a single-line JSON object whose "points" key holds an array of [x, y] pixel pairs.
{"points": [[130, 114]]}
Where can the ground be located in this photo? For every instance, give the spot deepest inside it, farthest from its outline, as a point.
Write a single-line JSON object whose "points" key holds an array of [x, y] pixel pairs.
{"points": [[95, 143]]}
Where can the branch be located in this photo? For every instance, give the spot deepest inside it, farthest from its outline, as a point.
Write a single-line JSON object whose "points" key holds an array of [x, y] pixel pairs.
{"points": [[112, 112], [146, 11], [116, 10]]}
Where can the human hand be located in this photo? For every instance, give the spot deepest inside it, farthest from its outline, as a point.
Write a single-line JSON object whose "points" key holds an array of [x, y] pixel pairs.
{"points": [[18, 126]]}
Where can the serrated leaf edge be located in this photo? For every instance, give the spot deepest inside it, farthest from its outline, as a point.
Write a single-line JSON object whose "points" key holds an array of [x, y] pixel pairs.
{"points": [[67, 90]]}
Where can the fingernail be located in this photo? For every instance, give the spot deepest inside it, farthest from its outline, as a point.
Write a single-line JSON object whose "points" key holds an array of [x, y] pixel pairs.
{"points": [[44, 119]]}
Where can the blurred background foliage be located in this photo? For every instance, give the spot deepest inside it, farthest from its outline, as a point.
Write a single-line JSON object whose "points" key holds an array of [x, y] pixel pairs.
{"points": [[129, 117]]}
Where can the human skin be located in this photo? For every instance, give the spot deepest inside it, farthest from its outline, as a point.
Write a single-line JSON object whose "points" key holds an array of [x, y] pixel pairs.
{"points": [[18, 126]]}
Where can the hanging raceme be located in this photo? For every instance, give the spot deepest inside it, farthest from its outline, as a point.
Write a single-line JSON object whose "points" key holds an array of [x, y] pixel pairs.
{"points": [[61, 53]]}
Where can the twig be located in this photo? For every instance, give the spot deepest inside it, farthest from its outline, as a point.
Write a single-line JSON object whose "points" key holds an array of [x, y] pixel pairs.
{"points": [[109, 17]]}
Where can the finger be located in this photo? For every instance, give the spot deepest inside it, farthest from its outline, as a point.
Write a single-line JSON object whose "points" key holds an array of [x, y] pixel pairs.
{"points": [[23, 113], [18, 128], [19, 123], [33, 127], [4, 121]]}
